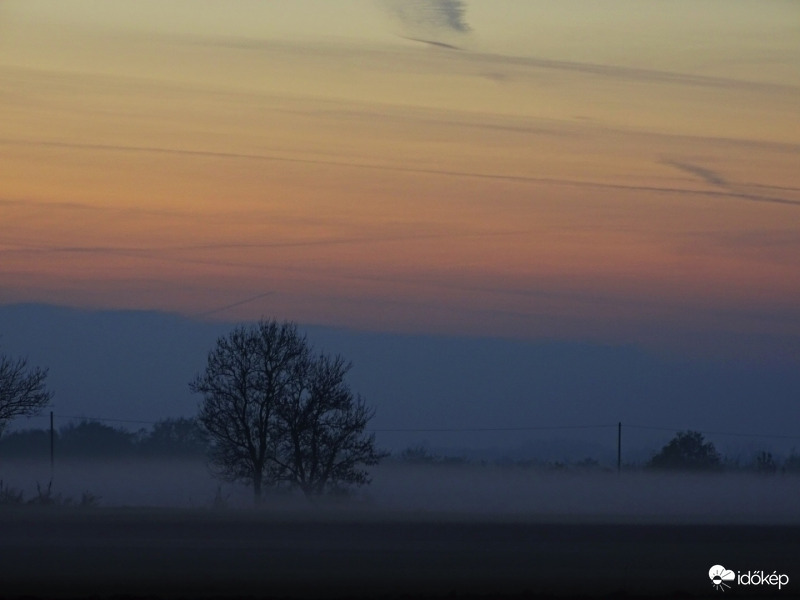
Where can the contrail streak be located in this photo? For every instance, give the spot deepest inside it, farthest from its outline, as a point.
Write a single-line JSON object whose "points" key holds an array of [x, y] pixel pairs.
{"points": [[723, 192], [227, 306]]}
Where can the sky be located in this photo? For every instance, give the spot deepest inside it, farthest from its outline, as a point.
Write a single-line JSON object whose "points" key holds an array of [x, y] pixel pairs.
{"points": [[623, 173]]}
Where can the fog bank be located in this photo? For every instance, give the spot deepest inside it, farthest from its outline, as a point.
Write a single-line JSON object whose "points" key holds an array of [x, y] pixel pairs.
{"points": [[442, 492]]}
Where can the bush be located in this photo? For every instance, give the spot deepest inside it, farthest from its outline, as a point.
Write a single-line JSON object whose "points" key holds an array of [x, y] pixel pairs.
{"points": [[45, 497], [10, 496], [89, 500], [792, 463], [765, 463], [687, 451]]}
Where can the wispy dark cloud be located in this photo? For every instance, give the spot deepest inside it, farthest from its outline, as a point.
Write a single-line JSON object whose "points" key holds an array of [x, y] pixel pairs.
{"points": [[206, 254], [434, 43], [706, 175], [422, 25], [724, 192], [428, 16], [726, 187], [639, 74]]}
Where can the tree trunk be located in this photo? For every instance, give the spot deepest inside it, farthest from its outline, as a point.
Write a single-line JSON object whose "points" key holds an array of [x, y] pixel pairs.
{"points": [[257, 487]]}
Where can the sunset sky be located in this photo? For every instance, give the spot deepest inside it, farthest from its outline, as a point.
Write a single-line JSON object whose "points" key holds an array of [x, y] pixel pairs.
{"points": [[622, 172]]}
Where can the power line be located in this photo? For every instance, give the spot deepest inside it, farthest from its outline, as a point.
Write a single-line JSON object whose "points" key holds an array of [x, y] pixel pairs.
{"points": [[474, 429], [478, 429], [728, 433], [382, 430], [106, 419]]}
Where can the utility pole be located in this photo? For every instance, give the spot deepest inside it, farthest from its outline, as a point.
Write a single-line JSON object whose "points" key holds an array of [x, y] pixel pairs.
{"points": [[619, 447]]}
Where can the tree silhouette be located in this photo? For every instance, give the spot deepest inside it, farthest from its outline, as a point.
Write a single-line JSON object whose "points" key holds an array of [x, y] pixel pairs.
{"points": [[321, 441], [22, 390], [278, 417], [687, 451]]}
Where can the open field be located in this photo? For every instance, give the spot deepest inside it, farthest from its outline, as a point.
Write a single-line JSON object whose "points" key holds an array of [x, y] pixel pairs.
{"points": [[333, 553], [418, 530]]}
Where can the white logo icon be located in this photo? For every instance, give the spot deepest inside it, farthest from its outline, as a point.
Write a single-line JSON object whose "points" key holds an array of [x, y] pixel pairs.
{"points": [[719, 575]]}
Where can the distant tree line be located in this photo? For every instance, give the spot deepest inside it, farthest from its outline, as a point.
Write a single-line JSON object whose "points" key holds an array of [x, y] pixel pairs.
{"points": [[174, 438], [186, 438], [689, 451]]}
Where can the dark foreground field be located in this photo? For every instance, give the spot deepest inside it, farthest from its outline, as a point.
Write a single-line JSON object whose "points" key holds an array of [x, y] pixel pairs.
{"points": [[104, 552]]}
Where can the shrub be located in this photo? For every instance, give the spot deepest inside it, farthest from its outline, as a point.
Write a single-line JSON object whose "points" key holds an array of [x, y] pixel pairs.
{"points": [[687, 451], [10, 496]]}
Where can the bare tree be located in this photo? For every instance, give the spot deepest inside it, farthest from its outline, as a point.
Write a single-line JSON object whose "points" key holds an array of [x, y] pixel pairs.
{"points": [[22, 390], [276, 417], [322, 443], [248, 374]]}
